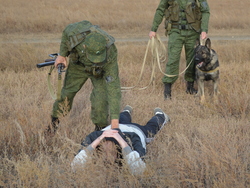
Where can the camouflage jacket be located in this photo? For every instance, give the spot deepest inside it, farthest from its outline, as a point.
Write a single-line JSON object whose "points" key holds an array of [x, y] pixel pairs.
{"points": [[164, 4], [110, 71]]}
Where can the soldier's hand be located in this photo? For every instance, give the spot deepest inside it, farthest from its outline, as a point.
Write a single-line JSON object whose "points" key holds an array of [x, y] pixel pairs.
{"points": [[203, 35], [151, 34], [114, 123], [60, 59]]}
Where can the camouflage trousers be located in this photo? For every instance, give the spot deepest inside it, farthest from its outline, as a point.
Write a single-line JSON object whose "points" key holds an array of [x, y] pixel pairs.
{"points": [[177, 40], [75, 78]]}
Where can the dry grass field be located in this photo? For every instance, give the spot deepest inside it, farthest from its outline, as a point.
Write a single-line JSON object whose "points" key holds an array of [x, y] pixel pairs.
{"points": [[203, 146]]}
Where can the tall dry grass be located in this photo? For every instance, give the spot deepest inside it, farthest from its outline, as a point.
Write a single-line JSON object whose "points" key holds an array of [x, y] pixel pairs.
{"points": [[203, 146], [126, 17]]}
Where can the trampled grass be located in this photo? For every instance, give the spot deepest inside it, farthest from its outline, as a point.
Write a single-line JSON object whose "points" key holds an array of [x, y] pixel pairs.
{"points": [[203, 146]]}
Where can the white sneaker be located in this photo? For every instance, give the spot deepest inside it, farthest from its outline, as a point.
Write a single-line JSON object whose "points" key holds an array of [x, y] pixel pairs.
{"points": [[166, 119], [158, 110], [128, 109]]}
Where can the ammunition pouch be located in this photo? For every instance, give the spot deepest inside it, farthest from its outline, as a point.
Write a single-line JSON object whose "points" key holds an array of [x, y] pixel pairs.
{"points": [[96, 69], [74, 57], [192, 16], [168, 26], [167, 22], [171, 15], [196, 26], [174, 10]]}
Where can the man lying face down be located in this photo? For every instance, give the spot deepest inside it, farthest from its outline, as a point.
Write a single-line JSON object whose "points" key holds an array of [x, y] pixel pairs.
{"points": [[127, 142]]}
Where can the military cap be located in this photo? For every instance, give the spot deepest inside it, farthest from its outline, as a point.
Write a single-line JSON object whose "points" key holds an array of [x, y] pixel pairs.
{"points": [[95, 45]]}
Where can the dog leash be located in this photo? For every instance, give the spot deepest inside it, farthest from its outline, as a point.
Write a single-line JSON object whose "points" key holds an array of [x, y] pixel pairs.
{"points": [[173, 75], [158, 51], [59, 85]]}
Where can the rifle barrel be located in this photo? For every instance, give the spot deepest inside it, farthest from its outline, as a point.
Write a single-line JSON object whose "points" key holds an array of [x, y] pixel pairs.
{"points": [[39, 65]]}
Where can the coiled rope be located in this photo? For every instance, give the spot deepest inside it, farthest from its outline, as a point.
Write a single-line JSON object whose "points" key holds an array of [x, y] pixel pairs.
{"points": [[158, 52]]}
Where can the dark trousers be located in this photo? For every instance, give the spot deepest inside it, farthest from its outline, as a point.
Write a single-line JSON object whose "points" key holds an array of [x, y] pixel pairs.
{"points": [[151, 127]]}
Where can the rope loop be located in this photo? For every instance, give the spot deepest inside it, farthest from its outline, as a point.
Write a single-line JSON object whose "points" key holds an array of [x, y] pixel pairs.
{"points": [[159, 55]]}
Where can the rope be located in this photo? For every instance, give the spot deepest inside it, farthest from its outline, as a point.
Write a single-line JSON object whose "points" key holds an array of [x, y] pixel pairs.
{"points": [[156, 45], [59, 85], [51, 92], [158, 51]]}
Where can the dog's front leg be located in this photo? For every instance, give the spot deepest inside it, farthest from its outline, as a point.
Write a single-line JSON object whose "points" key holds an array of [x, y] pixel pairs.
{"points": [[201, 90], [216, 92]]}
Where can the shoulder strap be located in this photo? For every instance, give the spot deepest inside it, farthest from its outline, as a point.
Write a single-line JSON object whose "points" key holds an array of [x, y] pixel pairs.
{"points": [[78, 31], [110, 40], [198, 3]]}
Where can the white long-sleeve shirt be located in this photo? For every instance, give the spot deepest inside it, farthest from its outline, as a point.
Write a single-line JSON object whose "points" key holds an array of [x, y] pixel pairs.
{"points": [[132, 156]]}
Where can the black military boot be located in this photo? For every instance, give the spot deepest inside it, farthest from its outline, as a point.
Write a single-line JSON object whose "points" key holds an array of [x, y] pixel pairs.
{"points": [[190, 88], [53, 126], [167, 91]]}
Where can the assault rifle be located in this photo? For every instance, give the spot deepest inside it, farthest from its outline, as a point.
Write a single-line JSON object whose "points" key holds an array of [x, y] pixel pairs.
{"points": [[60, 69], [50, 62]]}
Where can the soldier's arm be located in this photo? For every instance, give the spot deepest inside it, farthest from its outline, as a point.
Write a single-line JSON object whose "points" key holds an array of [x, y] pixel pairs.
{"points": [[64, 51], [111, 76], [159, 14], [205, 11]]}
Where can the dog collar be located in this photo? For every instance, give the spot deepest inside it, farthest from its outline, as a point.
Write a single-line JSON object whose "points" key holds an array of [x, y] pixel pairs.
{"points": [[217, 68]]}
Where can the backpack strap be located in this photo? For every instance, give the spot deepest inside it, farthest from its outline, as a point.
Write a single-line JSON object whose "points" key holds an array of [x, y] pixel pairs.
{"points": [[77, 39], [77, 32], [110, 40], [198, 3]]}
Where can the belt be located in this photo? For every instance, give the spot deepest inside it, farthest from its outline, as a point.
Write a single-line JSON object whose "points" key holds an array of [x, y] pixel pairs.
{"points": [[87, 69], [182, 27]]}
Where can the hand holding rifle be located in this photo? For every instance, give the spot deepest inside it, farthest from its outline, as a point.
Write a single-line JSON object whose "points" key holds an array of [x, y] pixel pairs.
{"points": [[60, 60], [60, 63]]}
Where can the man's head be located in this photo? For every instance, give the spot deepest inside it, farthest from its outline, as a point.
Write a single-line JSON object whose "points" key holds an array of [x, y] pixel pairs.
{"points": [[109, 151], [95, 45]]}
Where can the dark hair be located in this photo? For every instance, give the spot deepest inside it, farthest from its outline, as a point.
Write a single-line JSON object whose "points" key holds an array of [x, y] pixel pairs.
{"points": [[119, 155]]}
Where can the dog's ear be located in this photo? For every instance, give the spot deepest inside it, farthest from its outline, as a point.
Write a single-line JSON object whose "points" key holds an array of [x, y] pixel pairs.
{"points": [[197, 43], [208, 43]]}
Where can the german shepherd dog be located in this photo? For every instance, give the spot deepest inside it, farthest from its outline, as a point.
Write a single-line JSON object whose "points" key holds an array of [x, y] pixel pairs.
{"points": [[207, 68]]}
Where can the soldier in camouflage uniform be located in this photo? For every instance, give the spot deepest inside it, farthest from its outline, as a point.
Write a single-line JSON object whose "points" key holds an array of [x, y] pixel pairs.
{"points": [[92, 55], [185, 21]]}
